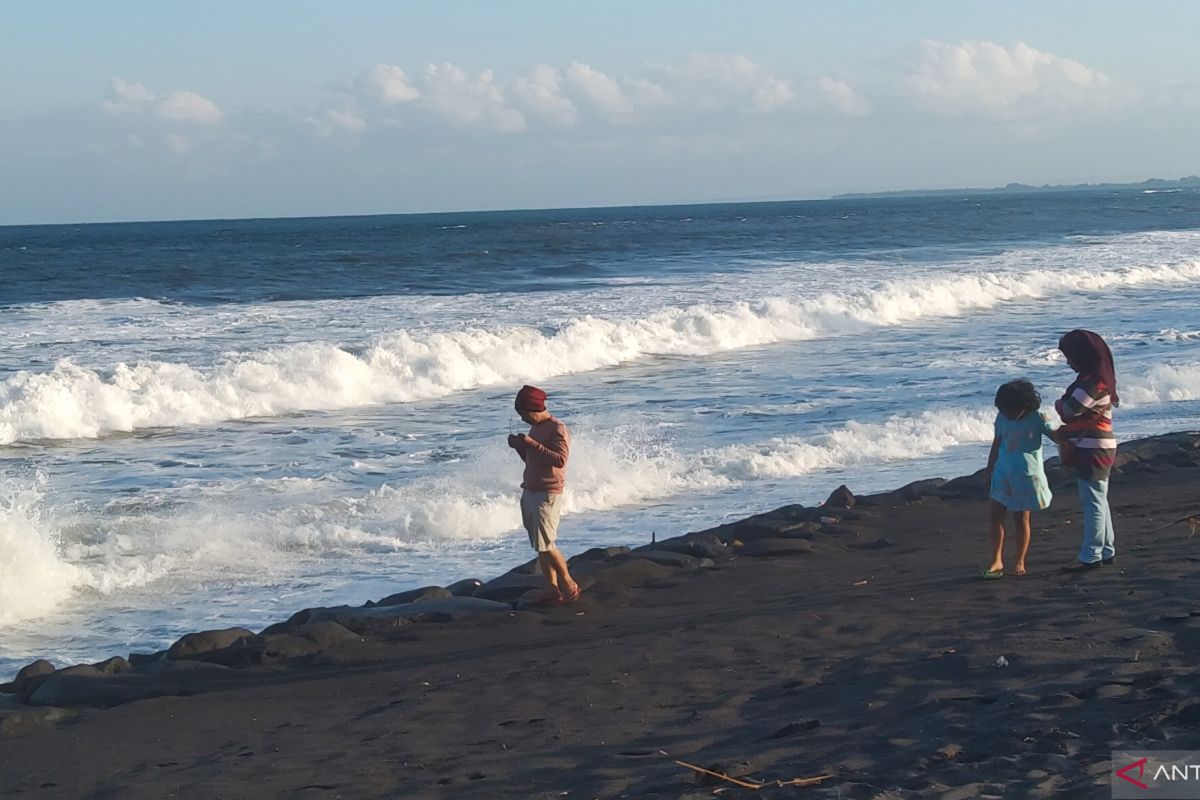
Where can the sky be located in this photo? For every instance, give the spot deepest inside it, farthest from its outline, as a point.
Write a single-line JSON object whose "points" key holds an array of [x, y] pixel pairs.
{"points": [[150, 110]]}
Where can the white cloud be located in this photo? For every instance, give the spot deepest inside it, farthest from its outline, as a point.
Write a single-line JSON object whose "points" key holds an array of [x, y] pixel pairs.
{"points": [[188, 107], [346, 120], [771, 94], [390, 85], [722, 81], [335, 120], [991, 79], [841, 96], [601, 91], [540, 92], [457, 97], [128, 98], [644, 93]]}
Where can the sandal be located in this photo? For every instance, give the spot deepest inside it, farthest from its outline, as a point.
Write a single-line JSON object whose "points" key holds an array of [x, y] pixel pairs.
{"points": [[992, 574]]}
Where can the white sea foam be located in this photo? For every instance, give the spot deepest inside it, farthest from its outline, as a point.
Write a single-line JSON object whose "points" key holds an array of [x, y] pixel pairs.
{"points": [[71, 401], [1162, 383], [34, 577]]}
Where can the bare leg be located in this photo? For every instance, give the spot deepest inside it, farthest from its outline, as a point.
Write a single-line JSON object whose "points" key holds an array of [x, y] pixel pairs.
{"points": [[562, 580], [550, 569], [996, 536], [1021, 528]]}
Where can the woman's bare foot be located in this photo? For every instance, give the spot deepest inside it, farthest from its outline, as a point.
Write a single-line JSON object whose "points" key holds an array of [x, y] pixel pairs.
{"points": [[1018, 570], [572, 593]]}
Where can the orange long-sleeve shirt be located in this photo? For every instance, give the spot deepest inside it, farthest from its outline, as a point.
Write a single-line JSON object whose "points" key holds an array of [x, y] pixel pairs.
{"points": [[545, 455]]}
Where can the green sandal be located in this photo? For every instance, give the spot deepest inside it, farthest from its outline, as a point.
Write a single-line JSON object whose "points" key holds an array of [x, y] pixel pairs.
{"points": [[992, 574]]}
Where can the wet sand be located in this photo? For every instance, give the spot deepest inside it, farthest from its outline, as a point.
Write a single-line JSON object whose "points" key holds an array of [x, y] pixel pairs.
{"points": [[782, 647]]}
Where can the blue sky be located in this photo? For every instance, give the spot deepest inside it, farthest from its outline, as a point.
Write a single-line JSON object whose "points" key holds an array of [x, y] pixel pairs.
{"points": [[143, 110]]}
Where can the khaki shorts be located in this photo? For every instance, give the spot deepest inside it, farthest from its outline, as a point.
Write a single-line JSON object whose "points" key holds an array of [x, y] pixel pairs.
{"points": [[539, 513]]}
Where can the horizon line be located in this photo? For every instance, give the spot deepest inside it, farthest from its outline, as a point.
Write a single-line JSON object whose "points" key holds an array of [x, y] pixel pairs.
{"points": [[882, 194]]}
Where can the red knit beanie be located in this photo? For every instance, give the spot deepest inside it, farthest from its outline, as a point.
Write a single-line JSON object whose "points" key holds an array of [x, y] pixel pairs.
{"points": [[531, 398]]}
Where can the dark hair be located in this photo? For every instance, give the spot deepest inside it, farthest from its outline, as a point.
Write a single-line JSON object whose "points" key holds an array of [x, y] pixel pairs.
{"points": [[1018, 395]]}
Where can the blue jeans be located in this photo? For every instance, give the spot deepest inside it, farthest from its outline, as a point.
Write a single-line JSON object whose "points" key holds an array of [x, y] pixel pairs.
{"points": [[1097, 522]]}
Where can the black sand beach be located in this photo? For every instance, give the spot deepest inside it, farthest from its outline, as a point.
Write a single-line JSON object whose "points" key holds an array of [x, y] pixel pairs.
{"points": [[857, 644]]}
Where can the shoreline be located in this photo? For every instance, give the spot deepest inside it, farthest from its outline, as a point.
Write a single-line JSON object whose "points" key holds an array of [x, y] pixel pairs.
{"points": [[796, 641]]}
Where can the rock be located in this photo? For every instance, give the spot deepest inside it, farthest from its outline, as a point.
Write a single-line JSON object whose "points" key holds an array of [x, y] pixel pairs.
{"points": [[775, 547], [1001, 661], [793, 513], [841, 497], [918, 489], [416, 595], [763, 527], [509, 587], [327, 634], [139, 660], [83, 670], [28, 673], [94, 691], [88, 687], [697, 545], [669, 559], [531, 567], [465, 588], [112, 666], [628, 573], [194, 644], [282, 647], [973, 485], [597, 554], [27, 720], [262, 649], [383, 619]]}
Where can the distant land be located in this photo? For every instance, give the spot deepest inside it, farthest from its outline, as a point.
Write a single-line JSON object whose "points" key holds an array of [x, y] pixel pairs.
{"points": [[1187, 182]]}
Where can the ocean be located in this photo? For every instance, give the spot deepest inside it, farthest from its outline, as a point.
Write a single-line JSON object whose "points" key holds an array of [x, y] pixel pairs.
{"points": [[210, 424]]}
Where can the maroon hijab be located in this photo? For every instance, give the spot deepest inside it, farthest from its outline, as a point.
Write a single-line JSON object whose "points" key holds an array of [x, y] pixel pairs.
{"points": [[1090, 353]]}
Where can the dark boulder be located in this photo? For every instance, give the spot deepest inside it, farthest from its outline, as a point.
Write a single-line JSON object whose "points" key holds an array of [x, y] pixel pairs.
{"points": [[327, 634], [465, 588], [194, 644], [918, 489], [668, 558], [509, 587], [415, 596], [597, 554], [139, 660], [28, 674], [760, 548], [112, 666], [841, 497]]}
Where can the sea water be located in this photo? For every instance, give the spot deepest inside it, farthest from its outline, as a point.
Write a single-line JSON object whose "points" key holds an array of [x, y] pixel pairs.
{"points": [[210, 424]]}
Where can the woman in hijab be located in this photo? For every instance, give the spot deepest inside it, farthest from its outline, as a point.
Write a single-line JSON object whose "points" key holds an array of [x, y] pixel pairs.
{"points": [[1086, 409]]}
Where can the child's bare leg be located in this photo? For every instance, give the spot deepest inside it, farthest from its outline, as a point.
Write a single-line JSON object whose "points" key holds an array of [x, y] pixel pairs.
{"points": [[1021, 528], [996, 536]]}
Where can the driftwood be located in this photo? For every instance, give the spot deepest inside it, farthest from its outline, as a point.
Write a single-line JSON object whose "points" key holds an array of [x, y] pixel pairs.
{"points": [[753, 784], [1193, 521]]}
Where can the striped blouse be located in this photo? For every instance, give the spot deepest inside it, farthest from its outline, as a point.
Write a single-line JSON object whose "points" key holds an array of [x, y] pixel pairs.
{"points": [[1086, 410]]}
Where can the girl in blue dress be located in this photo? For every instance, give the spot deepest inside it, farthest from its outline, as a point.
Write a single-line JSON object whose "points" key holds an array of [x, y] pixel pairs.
{"points": [[1017, 479]]}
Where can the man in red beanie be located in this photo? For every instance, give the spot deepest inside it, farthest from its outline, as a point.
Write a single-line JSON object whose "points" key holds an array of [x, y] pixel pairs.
{"points": [[544, 450]]}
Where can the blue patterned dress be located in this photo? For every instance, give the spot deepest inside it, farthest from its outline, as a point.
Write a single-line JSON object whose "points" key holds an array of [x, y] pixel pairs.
{"points": [[1019, 479]]}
